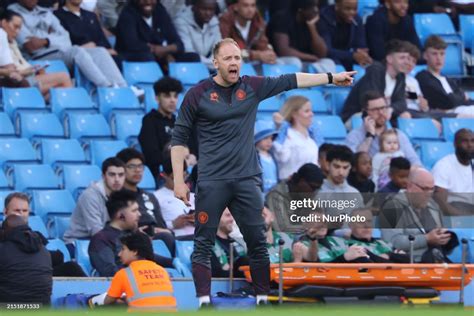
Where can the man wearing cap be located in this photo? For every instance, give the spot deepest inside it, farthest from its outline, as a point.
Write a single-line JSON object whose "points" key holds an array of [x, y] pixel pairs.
{"points": [[304, 183], [265, 133], [223, 109]]}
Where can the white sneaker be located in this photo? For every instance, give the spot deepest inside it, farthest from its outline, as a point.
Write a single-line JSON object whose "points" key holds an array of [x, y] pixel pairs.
{"points": [[138, 91]]}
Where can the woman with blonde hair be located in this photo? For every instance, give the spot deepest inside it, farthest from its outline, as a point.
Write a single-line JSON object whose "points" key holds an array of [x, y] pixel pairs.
{"points": [[297, 141]]}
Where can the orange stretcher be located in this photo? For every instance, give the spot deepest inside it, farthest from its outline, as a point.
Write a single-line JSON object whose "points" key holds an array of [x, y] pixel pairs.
{"points": [[437, 276]]}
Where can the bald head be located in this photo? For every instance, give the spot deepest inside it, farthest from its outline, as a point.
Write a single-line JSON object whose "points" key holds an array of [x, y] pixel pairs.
{"points": [[420, 175]]}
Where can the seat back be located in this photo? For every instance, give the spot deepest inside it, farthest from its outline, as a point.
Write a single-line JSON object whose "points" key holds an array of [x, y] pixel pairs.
{"points": [[16, 150], [70, 99], [466, 27], [53, 65], [78, 177], [103, 149], [6, 126], [82, 255], [86, 125], [418, 129], [189, 73], [278, 70], [452, 125], [318, 103], [34, 177], [58, 226], [427, 24], [62, 151], [37, 224], [37, 124], [184, 249], [148, 181], [432, 152], [141, 72], [15, 99], [247, 70], [47, 203], [126, 125], [331, 127], [58, 244], [113, 99]]}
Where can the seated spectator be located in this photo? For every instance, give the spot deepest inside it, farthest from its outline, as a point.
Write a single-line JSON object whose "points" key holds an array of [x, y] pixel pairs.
{"points": [[366, 138], [387, 79], [417, 105], [109, 11], [178, 216], [377, 249], [360, 174], [26, 274], [43, 38], [302, 184], [84, 28], [151, 220], [244, 24], [90, 214], [315, 245], [35, 76], [442, 93], [220, 264], [415, 213], [273, 238], [335, 186], [198, 27], [104, 248], [264, 135], [297, 141], [158, 124], [390, 21], [136, 255], [145, 32], [322, 162], [454, 176], [298, 36], [17, 203], [398, 172], [389, 149], [344, 34]]}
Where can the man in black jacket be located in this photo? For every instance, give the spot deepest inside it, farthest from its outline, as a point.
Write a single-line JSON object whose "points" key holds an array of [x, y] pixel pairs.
{"points": [[157, 125], [388, 79], [145, 32], [390, 21], [441, 92], [26, 273]]}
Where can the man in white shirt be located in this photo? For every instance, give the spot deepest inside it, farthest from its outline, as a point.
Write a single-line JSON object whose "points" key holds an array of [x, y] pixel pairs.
{"points": [[454, 176], [9, 75], [178, 216]]}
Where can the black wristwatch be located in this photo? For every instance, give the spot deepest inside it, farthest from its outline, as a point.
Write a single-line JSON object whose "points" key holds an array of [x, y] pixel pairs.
{"points": [[329, 77], [369, 134]]}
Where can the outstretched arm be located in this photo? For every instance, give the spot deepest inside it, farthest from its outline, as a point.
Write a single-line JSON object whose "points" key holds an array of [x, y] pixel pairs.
{"points": [[305, 80]]}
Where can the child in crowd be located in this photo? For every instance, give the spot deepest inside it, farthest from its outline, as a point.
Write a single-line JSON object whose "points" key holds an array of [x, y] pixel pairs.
{"points": [[360, 174], [389, 148], [264, 135], [323, 163], [398, 173]]}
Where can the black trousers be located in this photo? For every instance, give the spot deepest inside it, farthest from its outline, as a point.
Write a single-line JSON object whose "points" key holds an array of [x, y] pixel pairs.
{"points": [[244, 199]]}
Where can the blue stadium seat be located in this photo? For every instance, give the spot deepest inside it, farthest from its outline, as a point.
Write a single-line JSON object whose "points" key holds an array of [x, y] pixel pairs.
{"points": [[159, 247], [70, 99], [58, 244], [79, 177], [189, 73], [16, 150], [148, 182], [150, 100], [49, 203], [4, 185], [417, 69], [366, 7], [418, 129], [3, 195], [427, 24], [452, 125], [141, 73], [318, 103], [103, 149], [37, 224], [6, 126], [468, 233], [117, 99], [272, 104], [34, 177], [35, 125], [360, 72], [15, 99], [59, 151], [431, 152], [83, 126], [58, 226], [82, 256], [55, 65], [466, 27], [277, 70], [337, 97], [82, 81], [126, 126], [331, 127], [454, 65], [247, 70], [184, 249]]}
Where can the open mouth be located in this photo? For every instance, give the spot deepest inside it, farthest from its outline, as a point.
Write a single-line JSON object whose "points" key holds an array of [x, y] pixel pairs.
{"points": [[233, 71]]}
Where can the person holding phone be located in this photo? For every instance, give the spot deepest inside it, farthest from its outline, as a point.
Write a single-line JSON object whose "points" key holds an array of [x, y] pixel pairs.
{"points": [[35, 75]]}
